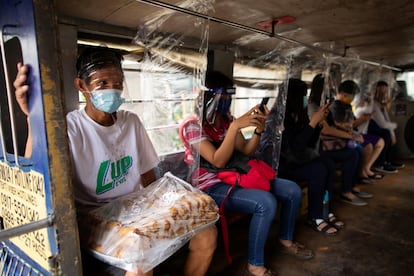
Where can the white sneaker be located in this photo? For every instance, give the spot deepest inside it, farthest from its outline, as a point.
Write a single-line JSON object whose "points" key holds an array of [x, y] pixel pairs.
{"points": [[385, 169], [397, 165]]}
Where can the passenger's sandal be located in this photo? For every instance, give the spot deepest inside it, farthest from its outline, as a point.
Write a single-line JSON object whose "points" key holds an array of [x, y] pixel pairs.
{"points": [[338, 224], [325, 229]]}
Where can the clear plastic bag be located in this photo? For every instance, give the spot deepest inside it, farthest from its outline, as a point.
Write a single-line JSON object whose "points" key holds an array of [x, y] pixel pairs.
{"points": [[142, 229]]}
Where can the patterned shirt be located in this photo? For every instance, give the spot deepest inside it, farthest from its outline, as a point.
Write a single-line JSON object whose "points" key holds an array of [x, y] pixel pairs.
{"points": [[194, 134]]}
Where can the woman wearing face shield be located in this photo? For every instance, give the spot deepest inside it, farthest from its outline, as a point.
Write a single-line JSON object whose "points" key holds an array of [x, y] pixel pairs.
{"points": [[111, 152], [215, 141]]}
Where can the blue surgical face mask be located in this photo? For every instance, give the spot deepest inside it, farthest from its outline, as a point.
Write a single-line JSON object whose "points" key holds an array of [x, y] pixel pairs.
{"points": [[107, 100]]}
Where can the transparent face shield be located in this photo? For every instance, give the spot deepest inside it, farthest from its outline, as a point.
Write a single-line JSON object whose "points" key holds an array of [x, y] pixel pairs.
{"points": [[218, 101], [102, 69], [106, 78]]}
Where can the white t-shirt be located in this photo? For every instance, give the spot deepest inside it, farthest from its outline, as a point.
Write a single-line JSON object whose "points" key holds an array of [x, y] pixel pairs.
{"points": [[361, 111], [108, 161], [381, 117]]}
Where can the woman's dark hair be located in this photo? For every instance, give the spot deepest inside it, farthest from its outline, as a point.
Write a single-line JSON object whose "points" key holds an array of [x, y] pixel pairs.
{"points": [[214, 79], [382, 83], [317, 86], [94, 58], [296, 113]]}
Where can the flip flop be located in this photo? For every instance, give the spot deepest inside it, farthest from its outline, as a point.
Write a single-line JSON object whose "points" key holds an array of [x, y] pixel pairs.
{"points": [[365, 180], [335, 222], [376, 176]]}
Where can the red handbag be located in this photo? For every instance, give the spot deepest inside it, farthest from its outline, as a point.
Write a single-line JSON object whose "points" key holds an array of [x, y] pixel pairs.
{"points": [[258, 177]]}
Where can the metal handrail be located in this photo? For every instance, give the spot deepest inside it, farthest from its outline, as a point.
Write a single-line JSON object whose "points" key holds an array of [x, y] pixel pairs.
{"points": [[257, 31], [23, 229]]}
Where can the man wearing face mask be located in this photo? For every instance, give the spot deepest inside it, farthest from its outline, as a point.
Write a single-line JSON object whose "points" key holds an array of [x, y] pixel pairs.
{"points": [[106, 93], [100, 136], [350, 158]]}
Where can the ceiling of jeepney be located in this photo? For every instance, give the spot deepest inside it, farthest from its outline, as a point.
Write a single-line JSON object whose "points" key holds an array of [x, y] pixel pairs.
{"points": [[379, 31]]}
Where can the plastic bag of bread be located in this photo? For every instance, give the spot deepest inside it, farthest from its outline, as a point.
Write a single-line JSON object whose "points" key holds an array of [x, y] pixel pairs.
{"points": [[144, 228]]}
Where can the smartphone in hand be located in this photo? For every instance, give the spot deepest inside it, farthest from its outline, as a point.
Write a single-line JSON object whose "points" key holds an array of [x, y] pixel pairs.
{"points": [[264, 102], [329, 99]]}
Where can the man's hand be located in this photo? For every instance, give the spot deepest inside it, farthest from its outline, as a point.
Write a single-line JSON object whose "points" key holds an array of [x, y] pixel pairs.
{"points": [[22, 88], [148, 177]]}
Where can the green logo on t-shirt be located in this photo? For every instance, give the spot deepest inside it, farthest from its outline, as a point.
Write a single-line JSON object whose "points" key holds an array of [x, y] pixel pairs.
{"points": [[119, 170]]}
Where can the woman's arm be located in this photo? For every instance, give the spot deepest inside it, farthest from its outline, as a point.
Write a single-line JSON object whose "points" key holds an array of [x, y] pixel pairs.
{"points": [[234, 140], [299, 138], [255, 118], [218, 157], [380, 119]]}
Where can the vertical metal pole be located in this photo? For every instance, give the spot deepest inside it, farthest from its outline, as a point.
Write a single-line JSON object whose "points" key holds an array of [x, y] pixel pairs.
{"points": [[3, 144]]}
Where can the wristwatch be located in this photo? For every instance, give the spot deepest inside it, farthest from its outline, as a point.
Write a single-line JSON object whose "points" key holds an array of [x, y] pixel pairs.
{"points": [[258, 133]]}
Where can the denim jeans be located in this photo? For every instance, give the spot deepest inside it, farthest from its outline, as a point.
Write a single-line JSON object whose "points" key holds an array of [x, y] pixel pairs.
{"points": [[262, 205], [320, 176], [350, 161]]}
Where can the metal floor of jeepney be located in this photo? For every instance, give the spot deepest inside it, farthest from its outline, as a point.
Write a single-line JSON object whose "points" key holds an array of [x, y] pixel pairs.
{"points": [[378, 238]]}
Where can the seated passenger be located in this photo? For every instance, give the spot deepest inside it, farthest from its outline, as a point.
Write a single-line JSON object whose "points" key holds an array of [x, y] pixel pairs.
{"points": [[300, 159], [381, 125], [92, 132], [349, 158], [215, 141], [317, 89], [373, 144]]}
